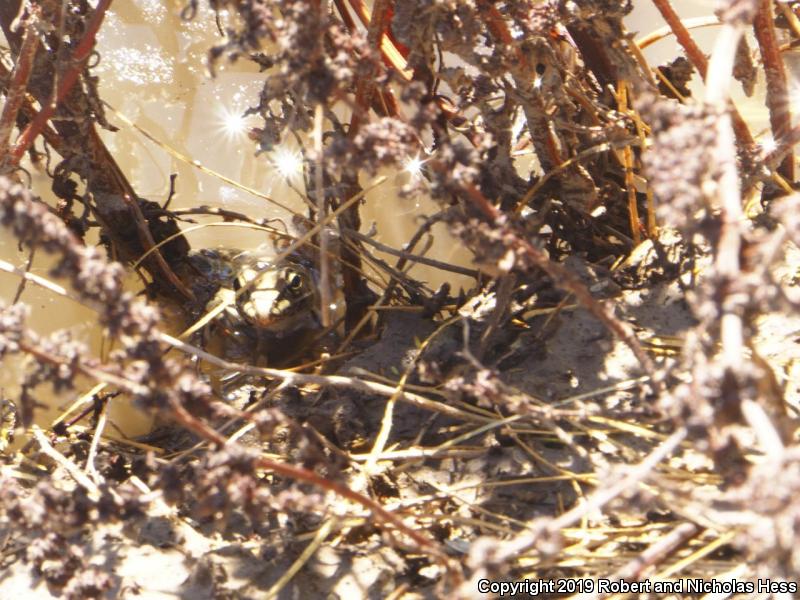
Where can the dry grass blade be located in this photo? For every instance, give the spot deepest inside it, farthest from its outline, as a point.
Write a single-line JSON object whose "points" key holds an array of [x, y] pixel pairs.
{"points": [[322, 533]]}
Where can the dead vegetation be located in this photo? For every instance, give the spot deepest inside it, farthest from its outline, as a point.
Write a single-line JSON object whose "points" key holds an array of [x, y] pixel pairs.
{"points": [[614, 398]]}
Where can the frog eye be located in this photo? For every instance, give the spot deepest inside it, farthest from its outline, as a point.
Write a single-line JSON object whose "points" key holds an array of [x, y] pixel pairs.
{"points": [[295, 282]]}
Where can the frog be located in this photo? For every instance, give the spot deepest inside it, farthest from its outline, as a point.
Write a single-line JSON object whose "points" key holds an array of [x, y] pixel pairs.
{"points": [[268, 315], [267, 310]]}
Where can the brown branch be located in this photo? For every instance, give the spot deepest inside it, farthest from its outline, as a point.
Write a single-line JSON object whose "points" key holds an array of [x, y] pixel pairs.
{"points": [[345, 14], [785, 146], [364, 85], [195, 425], [96, 372], [383, 102], [105, 180], [29, 112], [693, 51], [395, 55], [561, 277], [780, 114], [700, 62], [416, 258], [147, 242], [192, 423], [15, 94], [79, 58], [392, 54], [499, 29]]}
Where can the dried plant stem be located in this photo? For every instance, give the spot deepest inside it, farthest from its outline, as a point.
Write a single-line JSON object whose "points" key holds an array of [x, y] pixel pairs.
{"points": [[147, 241], [424, 543], [654, 554], [780, 113], [25, 275], [627, 160], [549, 155], [389, 49], [79, 476], [712, 546], [659, 34], [347, 18], [324, 260], [416, 258], [564, 279], [96, 436], [386, 103], [15, 96], [700, 62], [394, 55], [96, 372], [382, 437], [79, 58], [49, 134], [365, 87], [388, 289], [322, 533], [791, 18], [785, 146], [598, 499], [24, 280], [559, 169], [729, 199]]}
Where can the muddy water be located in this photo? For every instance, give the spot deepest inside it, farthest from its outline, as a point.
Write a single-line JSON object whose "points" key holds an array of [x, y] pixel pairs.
{"points": [[153, 72]]}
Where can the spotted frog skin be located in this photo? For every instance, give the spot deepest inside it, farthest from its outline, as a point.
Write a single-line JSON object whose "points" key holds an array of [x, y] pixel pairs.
{"points": [[265, 307]]}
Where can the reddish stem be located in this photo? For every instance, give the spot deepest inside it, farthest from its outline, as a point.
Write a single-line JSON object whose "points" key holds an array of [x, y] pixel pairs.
{"points": [[29, 113], [194, 424], [365, 86], [383, 102], [363, 14], [345, 14], [392, 51], [780, 115], [700, 62], [79, 57], [19, 79], [785, 147]]}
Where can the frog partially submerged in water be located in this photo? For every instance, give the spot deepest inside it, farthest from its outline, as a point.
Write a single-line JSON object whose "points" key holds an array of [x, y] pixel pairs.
{"points": [[268, 311]]}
